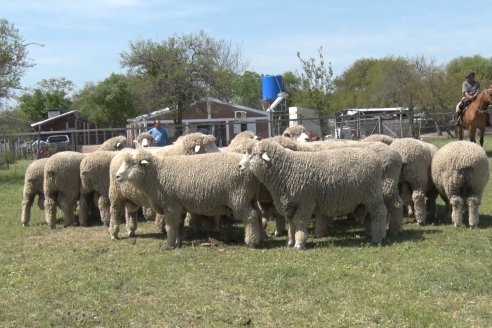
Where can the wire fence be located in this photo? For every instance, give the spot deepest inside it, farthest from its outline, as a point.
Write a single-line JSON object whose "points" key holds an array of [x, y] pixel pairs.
{"points": [[26, 145]]}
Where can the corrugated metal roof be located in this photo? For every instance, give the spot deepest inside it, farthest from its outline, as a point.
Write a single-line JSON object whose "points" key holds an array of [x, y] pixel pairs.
{"points": [[53, 118]]}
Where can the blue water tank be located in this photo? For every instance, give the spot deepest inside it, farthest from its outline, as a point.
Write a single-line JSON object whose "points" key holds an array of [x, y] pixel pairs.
{"points": [[271, 86]]}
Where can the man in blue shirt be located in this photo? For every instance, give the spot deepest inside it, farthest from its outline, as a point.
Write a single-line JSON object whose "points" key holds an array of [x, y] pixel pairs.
{"points": [[159, 134]]}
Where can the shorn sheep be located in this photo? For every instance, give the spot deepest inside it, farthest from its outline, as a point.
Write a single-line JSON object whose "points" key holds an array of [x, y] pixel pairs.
{"points": [[460, 171], [175, 185], [329, 183]]}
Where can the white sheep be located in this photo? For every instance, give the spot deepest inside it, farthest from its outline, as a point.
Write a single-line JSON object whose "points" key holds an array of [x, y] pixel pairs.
{"points": [[416, 186], [297, 132], [124, 195], [392, 165], [144, 139], [33, 186], [113, 144], [62, 186], [175, 185], [330, 183], [242, 142], [460, 171], [379, 137], [34, 178]]}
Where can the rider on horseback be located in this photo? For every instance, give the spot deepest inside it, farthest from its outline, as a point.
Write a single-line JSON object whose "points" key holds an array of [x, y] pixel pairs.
{"points": [[470, 89]]}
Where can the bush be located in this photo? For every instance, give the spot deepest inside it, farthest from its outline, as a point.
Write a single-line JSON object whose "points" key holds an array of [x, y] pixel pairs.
{"points": [[7, 157]]}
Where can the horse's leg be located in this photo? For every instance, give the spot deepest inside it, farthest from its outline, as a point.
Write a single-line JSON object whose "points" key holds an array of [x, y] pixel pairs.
{"points": [[460, 132], [473, 132], [482, 131]]}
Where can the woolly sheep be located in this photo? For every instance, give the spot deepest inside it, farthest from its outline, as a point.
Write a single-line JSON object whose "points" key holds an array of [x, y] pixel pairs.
{"points": [[124, 195], [460, 171], [391, 162], [33, 185], [175, 185], [379, 137], [242, 142], [415, 181], [297, 132], [62, 186], [94, 178], [115, 143], [144, 139], [34, 178], [331, 183]]}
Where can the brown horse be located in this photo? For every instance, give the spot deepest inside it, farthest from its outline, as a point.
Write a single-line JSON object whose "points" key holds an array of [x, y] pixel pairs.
{"points": [[476, 116]]}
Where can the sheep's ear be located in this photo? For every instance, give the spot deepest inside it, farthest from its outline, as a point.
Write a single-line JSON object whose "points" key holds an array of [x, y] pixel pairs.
{"points": [[144, 162], [197, 148], [118, 145], [266, 157]]}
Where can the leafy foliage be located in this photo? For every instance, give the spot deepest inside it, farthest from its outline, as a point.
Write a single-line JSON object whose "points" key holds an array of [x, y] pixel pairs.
{"points": [[110, 103], [13, 59], [48, 95], [182, 70]]}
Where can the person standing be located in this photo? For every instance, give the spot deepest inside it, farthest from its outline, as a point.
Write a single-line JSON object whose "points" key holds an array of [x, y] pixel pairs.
{"points": [[469, 90], [159, 134]]}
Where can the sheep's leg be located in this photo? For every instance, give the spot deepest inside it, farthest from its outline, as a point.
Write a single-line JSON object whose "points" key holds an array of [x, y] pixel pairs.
{"points": [[431, 206], [84, 209], [148, 213], [301, 219], [321, 225], [280, 225], [457, 213], [41, 201], [27, 202], [172, 229], [395, 215], [291, 232], [251, 219], [473, 205], [377, 213], [50, 212], [180, 235], [418, 198], [104, 205], [116, 211], [160, 222], [131, 222], [68, 210]]}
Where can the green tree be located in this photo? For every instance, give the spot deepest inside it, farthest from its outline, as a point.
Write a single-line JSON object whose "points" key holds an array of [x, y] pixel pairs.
{"points": [[182, 70], [458, 67], [14, 121], [49, 94], [292, 86], [13, 59], [109, 103], [247, 90], [316, 80]]}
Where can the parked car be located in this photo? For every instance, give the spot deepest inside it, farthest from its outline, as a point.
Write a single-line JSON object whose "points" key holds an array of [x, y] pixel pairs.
{"points": [[59, 142]]}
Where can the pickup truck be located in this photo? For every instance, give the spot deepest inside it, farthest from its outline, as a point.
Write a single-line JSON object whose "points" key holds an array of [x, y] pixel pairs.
{"points": [[59, 142]]}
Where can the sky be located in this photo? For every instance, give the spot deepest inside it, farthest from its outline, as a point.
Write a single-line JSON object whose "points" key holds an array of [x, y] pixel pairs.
{"points": [[83, 40]]}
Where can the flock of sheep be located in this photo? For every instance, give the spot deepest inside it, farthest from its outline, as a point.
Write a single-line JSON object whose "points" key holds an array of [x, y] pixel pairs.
{"points": [[376, 180]]}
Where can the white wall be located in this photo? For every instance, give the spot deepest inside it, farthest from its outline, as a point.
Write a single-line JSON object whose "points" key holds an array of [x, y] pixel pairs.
{"points": [[307, 117]]}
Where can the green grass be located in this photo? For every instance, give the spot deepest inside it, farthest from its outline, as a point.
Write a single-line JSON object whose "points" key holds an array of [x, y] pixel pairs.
{"points": [[431, 276]]}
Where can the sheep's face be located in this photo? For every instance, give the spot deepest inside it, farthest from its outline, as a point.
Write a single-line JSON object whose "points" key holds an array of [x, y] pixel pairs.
{"points": [[125, 170], [244, 164]]}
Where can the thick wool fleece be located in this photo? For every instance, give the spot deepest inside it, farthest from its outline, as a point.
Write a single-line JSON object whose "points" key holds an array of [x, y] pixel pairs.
{"points": [[175, 185], [460, 171], [62, 186], [33, 185], [329, 183]]}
